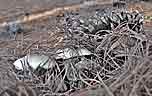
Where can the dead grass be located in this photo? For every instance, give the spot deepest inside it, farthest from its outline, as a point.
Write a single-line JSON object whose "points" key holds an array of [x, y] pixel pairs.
{"points": [[134, 78]]}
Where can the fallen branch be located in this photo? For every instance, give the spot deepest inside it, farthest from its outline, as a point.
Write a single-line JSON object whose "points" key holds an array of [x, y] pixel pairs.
{"points": [[56, 11]]}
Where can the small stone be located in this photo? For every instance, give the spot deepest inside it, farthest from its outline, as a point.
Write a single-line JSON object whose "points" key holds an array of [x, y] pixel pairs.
{"points": [[13, 29]]}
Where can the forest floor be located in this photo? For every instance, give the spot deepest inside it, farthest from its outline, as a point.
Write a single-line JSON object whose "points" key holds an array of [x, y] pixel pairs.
{"points": [[41, 19]]}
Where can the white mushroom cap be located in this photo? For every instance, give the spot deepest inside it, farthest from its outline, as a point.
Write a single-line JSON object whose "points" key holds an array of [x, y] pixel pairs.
{"points": [[69, 53], [34, 61]]}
